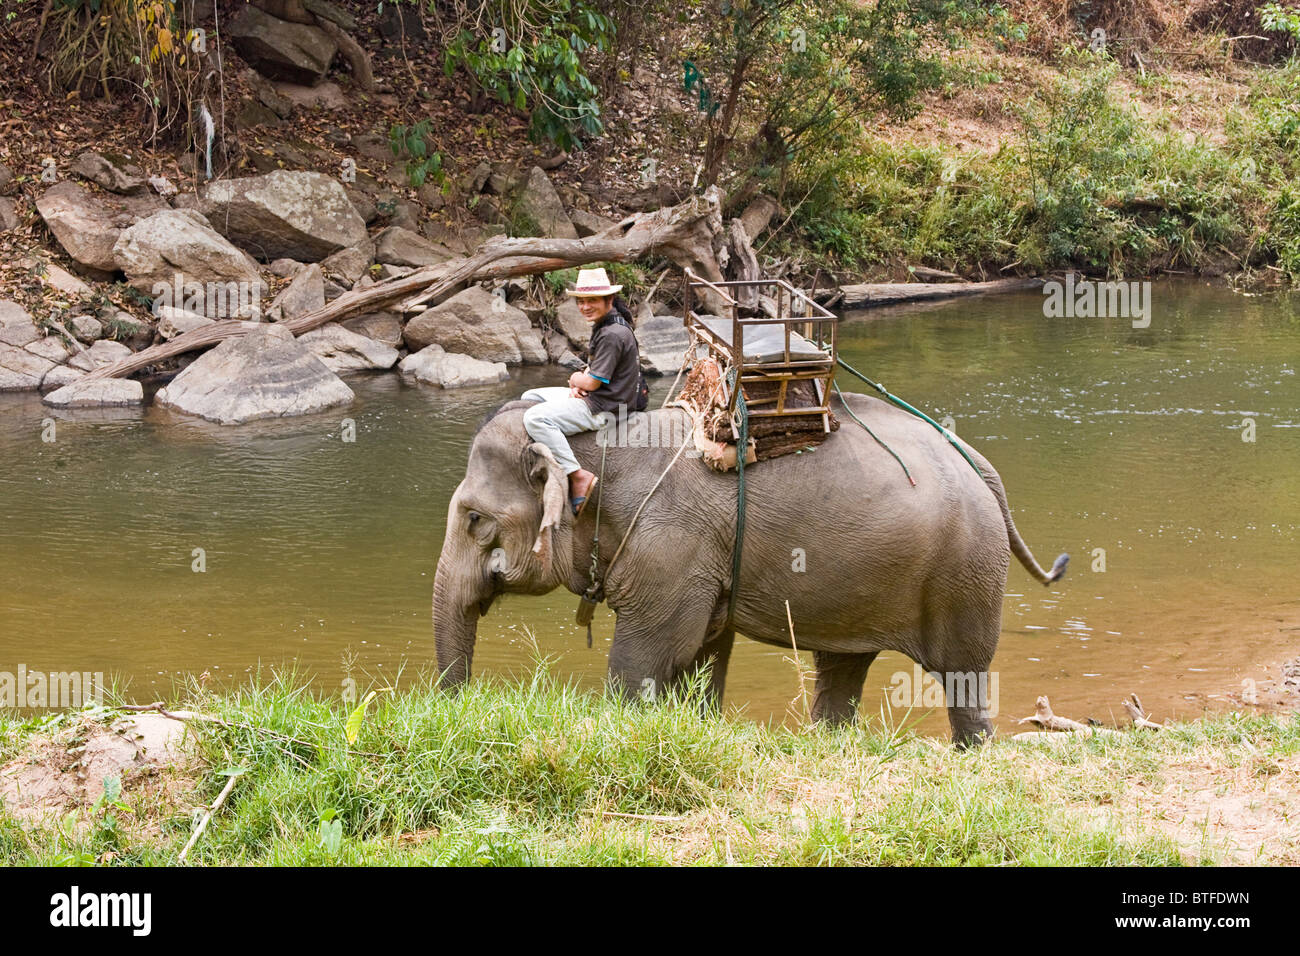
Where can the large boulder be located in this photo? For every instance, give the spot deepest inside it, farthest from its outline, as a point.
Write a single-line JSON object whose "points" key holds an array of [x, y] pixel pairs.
{"points": [[173, 322], [588, 223], [476, 322], [540, 204], [662, 341], [383, 327], [21, 370], [97, 393], [88, 226], [16, 326], [570, 321], [281, 50], [181, 242], [350, 264], [436, 366], [265, 373], [285, 214], [344, 351], [402, 247], [99, 355]]}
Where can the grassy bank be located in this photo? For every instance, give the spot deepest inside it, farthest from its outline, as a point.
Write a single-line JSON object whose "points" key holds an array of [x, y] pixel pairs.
{"points": [[541, 773]]}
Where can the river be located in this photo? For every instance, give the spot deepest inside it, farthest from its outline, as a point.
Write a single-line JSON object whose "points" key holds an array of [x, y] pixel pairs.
{"points": [[1164, 459]]}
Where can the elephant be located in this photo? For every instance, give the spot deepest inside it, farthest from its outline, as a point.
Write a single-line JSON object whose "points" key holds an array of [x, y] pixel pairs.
{"points": [[867, 561]]}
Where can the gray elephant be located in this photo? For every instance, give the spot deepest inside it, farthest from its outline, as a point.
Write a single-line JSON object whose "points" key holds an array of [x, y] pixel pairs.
{"points": [[867, 561]]}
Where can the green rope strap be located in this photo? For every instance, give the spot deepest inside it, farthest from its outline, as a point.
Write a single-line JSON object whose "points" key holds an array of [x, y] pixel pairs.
{"points": [[742, 449], [908, 408], [878, 439]]}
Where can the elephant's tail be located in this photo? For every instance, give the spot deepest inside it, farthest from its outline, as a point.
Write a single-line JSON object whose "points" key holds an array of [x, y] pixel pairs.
{"points": [[1018, 546]]}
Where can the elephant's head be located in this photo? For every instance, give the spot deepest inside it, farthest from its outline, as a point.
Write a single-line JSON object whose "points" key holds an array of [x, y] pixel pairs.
{"points": [[506, 532]]}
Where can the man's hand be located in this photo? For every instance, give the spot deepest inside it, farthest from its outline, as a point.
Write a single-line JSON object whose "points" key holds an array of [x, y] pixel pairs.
{"points": [[575, 392], [581, 384]]}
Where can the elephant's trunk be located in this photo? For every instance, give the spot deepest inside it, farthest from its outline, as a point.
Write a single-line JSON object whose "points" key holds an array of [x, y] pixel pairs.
{"points": [[455, 626]]}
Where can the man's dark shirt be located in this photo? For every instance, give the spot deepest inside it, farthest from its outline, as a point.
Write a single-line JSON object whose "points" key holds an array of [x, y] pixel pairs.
{"points": [[616, 362]]}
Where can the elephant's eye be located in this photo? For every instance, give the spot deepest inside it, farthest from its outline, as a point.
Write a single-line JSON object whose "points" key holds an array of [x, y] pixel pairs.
{"points": [[473, 516]]}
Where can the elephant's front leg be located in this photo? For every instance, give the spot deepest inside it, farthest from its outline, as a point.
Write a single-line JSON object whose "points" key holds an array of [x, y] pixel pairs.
{"points": [[715, 654], [655, 643]]}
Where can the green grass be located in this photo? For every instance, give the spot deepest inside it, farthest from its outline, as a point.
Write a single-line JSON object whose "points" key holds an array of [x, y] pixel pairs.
{"points": [[526, 773]]}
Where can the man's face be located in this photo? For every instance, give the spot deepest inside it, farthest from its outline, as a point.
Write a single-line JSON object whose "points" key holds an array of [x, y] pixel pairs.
{"points": [[593, 307]]}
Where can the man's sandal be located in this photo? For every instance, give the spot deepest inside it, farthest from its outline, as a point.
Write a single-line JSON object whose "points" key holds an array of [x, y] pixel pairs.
{"points": [[578, 504]]}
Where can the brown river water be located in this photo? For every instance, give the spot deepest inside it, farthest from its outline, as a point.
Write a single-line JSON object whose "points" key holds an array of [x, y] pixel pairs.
{"points": [[320, 553]]}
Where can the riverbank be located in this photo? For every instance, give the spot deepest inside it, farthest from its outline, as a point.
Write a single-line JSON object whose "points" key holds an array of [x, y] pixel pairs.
{"points": [[537, 772]]}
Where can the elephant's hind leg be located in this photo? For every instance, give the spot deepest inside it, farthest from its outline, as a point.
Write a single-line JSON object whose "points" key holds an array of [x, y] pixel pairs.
{"points": [[716, 656], [839, 685]]}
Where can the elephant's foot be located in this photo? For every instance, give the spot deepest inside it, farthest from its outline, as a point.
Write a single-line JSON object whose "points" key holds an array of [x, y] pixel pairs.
{"points": [[971, 727]]}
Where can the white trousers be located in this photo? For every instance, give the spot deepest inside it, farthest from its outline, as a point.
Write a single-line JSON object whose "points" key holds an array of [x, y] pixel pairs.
{"points": [[558, 416]]}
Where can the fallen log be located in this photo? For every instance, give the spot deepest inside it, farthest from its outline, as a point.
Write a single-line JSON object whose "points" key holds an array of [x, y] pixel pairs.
{"points": [[690, 234], [1043, 717], [871, 295]]}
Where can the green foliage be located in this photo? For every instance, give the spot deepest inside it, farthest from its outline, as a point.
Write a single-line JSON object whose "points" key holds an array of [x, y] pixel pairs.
{"points": [[413, 143], [534, 63], [1279, 19]]}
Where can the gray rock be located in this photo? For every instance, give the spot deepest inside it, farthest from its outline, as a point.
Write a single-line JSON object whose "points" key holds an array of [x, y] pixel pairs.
{"points": [[477, 178], [265, 373], [181, 241], [88, 225], [570, 321], [349, 265], [104, 173], [20, 370], [444, 235], [125, 326], [8, 214], [52, 348], [306, 293], [285, 214], [326, 95], [479, 323], [61, 375], [173, 322], [64, 281], [99, 355], [387, 271], [662, 341], [435, 366], [588, 223], [87, 328], [284, 268], [402, 247], [503, 179], [540, 203], [345, 351], [279, 49], [383, 327], [558, 351], [162, 186], [16, 326], [97, 393]]}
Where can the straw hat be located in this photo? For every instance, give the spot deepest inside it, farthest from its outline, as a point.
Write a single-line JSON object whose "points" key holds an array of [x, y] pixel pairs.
{"points": [[593, 283]]}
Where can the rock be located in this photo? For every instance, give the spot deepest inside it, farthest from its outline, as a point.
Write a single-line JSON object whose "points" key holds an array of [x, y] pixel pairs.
{"points": [[16, 325], [284, 268], [61, 375], [306, 293], [435, 366], [402, 247], [263, 374], [104, 173], [570, 321], [64, 281], [279, 49], [52, 348], [387, 271], [333, 290], [475, 321], [432, 197], [6, 175], [162, 186], [252, 114], [96, 393], [293, 214], [350, 264], [383, 327], [477, 178], [662, 341], [87, 328], [540, 203], [503, 179], [558, 351], [8, 214], [20, 370], [342, 350], [88, 225], [123, 326], [155, 250], [589, 224], [363, 204], [402, 24], [173, 322], [99, 355], [326, 95], [444, 235]]}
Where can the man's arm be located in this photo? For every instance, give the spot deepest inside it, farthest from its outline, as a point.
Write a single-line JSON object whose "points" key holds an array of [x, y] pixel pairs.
{"points": [[584, 382]]}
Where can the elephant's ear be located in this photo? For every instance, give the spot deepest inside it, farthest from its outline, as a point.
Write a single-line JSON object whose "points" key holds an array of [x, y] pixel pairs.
{"points": [[547, 471]]}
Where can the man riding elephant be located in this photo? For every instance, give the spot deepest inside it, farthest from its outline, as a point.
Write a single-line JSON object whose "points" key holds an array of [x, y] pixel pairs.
{"points": [[610, 384]]}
